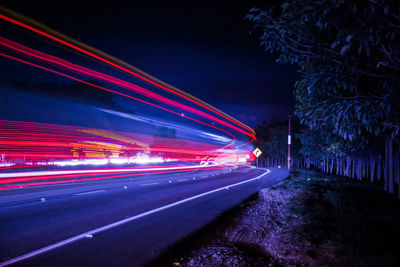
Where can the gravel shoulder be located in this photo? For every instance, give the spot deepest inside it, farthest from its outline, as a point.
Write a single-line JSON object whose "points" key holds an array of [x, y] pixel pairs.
{"points": [[309, 219]]}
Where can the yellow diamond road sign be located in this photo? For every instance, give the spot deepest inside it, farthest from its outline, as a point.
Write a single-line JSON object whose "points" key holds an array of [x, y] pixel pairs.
{"points": [[257, 152]]}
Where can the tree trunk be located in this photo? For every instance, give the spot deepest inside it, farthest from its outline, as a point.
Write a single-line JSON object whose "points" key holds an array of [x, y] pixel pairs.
{"points": [[372, 165], [326, 165], [356, 168], [348, 165], [386, 173], [337, 166], [352, 168], [322, 165], [398, 174], [379, 167], [363, 168], [342, 165], [390, 165], [395, 166]]}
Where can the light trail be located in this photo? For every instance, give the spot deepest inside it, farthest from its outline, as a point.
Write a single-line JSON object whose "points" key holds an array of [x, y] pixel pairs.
{"points": [[38, 174], [43, 180], [18, 137], [103, 59], [36, 154], [112, 80], [57, 144], [121, 94]]}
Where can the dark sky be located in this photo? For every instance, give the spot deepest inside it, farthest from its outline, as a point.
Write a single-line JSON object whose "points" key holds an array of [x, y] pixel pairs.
{"points": [[202, 47]]}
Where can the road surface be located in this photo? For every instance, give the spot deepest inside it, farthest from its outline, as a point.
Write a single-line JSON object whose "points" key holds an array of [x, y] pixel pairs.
{"points": [[119, 221]]}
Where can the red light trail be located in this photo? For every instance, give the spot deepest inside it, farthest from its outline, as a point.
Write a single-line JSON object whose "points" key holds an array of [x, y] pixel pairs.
{"points": [[59, 40], [124, 95], [107, 78], [27, 145]]}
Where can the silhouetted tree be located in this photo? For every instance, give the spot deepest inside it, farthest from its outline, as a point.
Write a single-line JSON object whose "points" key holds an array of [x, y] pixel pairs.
{"points": [[272, 140], [348, 53]]}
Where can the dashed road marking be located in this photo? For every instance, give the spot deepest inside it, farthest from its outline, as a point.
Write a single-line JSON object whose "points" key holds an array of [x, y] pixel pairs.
{"points": [[149, 184], [90, 192]]}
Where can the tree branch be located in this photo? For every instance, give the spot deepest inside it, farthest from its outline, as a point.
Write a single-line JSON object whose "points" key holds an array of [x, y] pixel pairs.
{"points": [[358, 97]]}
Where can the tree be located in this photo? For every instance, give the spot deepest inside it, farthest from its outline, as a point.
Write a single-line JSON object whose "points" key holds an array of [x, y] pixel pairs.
{"points": [[348, 53], [272, 140]]}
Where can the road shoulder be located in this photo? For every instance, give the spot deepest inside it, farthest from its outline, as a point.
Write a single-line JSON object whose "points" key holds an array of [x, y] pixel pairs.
{"points": [[310, 219]]}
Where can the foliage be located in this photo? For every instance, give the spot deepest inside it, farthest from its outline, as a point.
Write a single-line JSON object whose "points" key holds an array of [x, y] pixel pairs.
{"points": [[322, 143], [348, 53], [272, 139]]}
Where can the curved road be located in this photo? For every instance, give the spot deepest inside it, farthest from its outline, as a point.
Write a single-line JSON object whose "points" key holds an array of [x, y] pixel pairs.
{"points": [[119, 221]]}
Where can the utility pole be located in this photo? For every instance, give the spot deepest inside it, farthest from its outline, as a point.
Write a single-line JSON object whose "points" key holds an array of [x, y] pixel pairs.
{"points": [[289, 141]]}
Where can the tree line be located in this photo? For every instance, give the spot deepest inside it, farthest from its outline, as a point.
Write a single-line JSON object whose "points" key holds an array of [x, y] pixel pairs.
{"points": [[348, 98]]}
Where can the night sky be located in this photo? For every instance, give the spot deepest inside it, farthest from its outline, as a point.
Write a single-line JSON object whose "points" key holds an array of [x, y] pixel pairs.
{"points": [[202, 47]]}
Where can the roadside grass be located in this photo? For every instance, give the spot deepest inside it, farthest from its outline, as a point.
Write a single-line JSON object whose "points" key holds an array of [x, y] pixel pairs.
{"points": [[309, 219], [359, 221]]}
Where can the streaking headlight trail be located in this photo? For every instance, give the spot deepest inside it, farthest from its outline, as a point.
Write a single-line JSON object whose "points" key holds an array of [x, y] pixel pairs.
{"points": [[101, 118]]}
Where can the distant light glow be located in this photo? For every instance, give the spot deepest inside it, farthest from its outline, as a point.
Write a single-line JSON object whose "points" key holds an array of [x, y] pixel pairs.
{"points": [[242, 160], [81, 162]]}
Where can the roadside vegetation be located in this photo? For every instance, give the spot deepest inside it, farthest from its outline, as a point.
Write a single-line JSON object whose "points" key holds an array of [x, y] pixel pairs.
{"points": [[347, 54], [310, 219]]}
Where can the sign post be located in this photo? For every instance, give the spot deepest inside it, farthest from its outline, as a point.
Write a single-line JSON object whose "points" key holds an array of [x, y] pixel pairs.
{"points": [[257, 152], [289, 142]]}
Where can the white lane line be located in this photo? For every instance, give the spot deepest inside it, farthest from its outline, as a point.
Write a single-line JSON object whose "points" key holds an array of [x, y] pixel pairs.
{"points": [[90, 192], [118, 223], [181, 180], [148, 184]]}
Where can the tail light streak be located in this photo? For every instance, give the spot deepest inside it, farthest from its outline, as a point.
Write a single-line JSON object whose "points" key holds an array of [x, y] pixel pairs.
{"points": [[30, 144]]}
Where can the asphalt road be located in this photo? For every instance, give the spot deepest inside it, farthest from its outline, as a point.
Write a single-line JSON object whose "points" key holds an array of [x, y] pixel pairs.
{"points": [[119, 222]]}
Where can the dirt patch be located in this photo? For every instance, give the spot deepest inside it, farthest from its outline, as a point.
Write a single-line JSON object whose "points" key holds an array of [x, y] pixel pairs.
{"points": [[309, 219]]}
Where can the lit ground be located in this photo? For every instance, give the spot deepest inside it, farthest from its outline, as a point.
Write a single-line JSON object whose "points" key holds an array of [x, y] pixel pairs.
{"points": [[307, 220]]}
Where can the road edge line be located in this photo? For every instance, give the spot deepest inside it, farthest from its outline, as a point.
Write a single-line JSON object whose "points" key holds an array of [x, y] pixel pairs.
{"points": [[118, 223]]}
